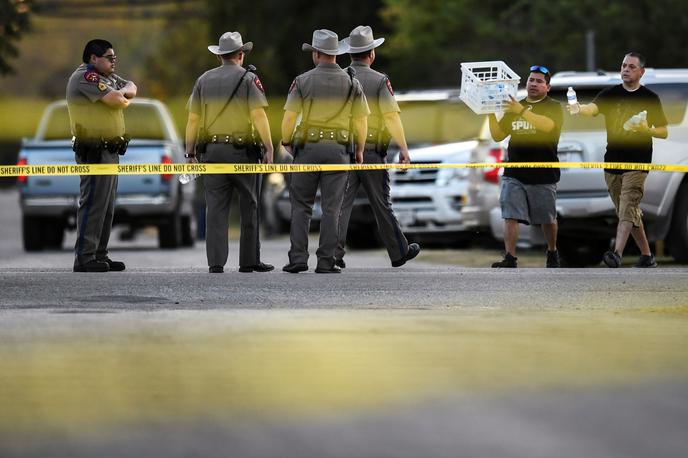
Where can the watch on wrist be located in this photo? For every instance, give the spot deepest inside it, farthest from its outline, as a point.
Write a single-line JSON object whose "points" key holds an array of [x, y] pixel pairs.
{"points": [[285, 144]]}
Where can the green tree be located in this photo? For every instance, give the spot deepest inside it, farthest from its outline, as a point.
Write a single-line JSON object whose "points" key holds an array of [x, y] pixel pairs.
{"points": [[14, 21], [431, 37]]}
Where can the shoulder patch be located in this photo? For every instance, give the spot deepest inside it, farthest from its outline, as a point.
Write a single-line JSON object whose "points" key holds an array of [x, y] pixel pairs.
{"points": [[259, 85], [389, 86], [102, 86], [293, 86], [92, 76]]}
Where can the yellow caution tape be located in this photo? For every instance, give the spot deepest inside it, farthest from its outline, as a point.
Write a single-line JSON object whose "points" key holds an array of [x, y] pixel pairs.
{"points": [[164, 169]]}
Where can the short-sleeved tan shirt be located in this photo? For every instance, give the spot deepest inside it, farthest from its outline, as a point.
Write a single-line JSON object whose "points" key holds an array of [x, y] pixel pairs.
{"points": [[212, 91], [378, 91], [85, 89], [320, 94]]}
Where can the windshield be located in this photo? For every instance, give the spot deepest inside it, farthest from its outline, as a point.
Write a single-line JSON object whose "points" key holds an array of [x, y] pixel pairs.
{"points": [[673, 97], [143, 122], [438, 122]]}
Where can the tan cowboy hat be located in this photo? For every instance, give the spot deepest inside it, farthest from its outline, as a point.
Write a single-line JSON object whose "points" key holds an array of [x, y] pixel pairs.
{"points": [[327, 42], [361, 40], [230, 42]]}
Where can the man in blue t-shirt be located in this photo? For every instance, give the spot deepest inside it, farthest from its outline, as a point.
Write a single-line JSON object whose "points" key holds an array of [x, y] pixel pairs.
{"points": [[629, 142], [528, 195]]}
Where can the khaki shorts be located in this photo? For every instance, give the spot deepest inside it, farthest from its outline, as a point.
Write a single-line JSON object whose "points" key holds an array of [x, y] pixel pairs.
{"points": [[626, 191]]}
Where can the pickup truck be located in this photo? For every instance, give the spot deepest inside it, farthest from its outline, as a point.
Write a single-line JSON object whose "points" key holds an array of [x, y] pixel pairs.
{"points": [[587, 221], [49, 203]]}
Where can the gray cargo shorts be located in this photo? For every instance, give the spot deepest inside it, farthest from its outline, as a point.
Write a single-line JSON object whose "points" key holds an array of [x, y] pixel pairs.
{"points": [[528, 203]]}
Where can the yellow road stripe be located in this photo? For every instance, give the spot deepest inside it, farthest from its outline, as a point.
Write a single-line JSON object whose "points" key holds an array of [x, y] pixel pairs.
{"points": [[159, 169]]}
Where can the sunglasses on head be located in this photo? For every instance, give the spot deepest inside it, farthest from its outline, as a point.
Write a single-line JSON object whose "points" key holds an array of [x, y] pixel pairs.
{"points": [[540, 69]]}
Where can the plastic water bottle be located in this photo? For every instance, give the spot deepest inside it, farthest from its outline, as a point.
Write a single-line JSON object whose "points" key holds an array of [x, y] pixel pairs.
{"points": [[574, 106], [185, 178], [635, 120]]}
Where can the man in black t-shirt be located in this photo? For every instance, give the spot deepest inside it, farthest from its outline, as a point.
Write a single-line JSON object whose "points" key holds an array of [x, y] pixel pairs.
{"points": [[528, 195], [629, 142]]}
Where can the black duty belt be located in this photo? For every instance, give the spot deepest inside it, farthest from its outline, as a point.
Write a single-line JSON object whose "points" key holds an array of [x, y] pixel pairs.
{"points": [[235, 139], [316, 134]]}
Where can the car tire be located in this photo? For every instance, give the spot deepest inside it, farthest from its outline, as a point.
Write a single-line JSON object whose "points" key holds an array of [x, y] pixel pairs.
{"points": [[187, 234], [54, 234], [678, 234], [170, 232], [363, 237], [32, 233], [579, 252]]}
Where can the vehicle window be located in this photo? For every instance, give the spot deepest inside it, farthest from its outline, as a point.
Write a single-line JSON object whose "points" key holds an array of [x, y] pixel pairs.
{"points": [[674, 98], [439, 122], [142, 121], [58, 124]]}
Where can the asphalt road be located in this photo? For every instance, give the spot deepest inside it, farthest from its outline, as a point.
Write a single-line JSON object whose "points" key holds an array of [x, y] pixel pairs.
{"points": [[167, 360]]}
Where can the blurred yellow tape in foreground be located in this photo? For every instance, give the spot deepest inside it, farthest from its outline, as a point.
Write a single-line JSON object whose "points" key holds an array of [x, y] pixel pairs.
{"points": [[165, 169]]}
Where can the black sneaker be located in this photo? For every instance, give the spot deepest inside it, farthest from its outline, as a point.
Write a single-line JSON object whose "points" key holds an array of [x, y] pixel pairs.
{"points": [[612, 259], [115, 266], [553, 259], [260, 267], [413, 250], [340, 263], [508, 261], [216, 269], [645, 261], [92, 266]]}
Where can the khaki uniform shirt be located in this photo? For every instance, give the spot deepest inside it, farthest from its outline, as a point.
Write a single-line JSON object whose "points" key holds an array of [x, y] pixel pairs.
{"points": [[84, 90], [319, 94], [212, 91], [379, 93]]}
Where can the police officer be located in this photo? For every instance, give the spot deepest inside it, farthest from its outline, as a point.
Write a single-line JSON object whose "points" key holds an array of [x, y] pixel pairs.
{"points": [[225, 108], [96, 97], [384, 122], [331, 104]]}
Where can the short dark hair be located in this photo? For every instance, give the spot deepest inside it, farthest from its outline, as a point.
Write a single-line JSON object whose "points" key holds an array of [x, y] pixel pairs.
{"points": [[361, 55], [97, 47], [637, 55]]}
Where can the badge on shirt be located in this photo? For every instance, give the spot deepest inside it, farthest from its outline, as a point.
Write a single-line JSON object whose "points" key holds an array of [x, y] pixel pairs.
{"points": [[389, 87], [293, 86], [259, 85], [92, 76], [102, 86]]}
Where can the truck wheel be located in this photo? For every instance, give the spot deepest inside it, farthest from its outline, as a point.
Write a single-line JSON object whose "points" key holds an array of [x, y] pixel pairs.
{"points": [[579, 252], [170, 232], [363, 237], [187, 234], [678, 234], [32, 232], [54, 233]]}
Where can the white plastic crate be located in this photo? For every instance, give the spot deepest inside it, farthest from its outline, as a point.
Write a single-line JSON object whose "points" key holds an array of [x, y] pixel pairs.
{"points": [[486, 86]]}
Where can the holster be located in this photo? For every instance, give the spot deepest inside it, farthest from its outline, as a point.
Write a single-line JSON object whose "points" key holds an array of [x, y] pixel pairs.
{"points": [[201, 142], [255, 147], [383, 140], [299, 139], [87, 150]]}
